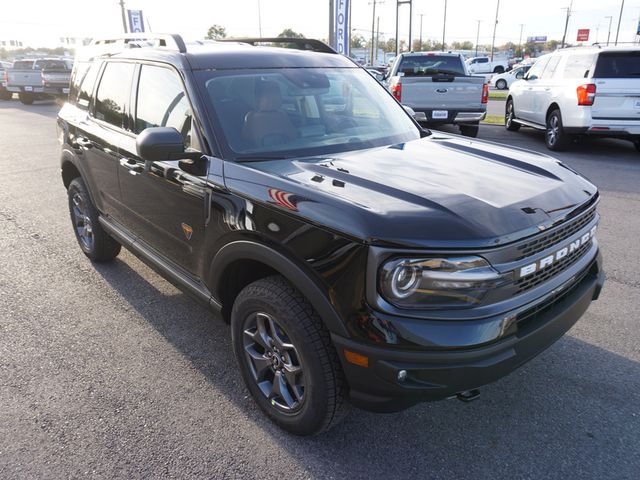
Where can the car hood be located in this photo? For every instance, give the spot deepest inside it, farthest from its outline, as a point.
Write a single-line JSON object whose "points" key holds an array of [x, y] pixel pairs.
{"points": [[442, 190]]}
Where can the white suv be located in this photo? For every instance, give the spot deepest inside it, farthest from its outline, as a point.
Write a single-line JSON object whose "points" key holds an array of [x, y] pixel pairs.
{"points": [[579, 91]]}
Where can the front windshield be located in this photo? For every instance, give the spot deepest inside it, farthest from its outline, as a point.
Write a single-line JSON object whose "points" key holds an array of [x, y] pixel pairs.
{"points": [[289, 112]]}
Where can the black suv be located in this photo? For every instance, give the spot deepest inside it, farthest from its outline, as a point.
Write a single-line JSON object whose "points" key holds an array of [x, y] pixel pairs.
{"points": [[359, 259]]}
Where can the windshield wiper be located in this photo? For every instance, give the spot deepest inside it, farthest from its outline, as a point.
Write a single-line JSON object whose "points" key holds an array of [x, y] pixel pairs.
{"points": [[259, 158]]}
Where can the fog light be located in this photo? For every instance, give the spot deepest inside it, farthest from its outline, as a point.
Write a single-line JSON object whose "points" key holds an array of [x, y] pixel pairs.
{"points": [[402, 375]]}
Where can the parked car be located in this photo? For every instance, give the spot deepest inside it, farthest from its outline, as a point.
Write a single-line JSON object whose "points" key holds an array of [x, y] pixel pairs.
{"points": [[503, 81], [439, 89], [357, 257], [39, 78], [4, 93], [580, 91], [477, 65]]}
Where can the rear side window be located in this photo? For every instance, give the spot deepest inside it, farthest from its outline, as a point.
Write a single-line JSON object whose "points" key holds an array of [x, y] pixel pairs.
{"points": [[422, 65], [83, 79], [162, 101], [113, 93], [551, 67], [618, 65], [578, 66]]}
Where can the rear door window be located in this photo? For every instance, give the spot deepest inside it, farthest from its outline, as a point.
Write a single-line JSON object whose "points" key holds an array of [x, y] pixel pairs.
{"points": [[618, 65], [427, 65], [551, 67], [578, 66], [162, 101], [112, 96], [83, 80]]}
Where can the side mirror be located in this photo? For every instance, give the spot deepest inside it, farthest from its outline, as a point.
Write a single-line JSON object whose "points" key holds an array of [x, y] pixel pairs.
{"points": [[157, 144]]}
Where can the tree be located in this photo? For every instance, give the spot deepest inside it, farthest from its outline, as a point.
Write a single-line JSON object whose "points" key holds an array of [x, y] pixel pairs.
{"points": [[289, 33], [215, 32], [358, 41]]}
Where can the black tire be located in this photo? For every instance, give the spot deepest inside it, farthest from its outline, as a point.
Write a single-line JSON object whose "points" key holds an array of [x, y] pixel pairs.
{"points": [[501, 84], [469, 130], [26, 98], [5, 95], [93, 240], [509, 116], [314, 399], [554, 136], [498, 69], [636, 143]]}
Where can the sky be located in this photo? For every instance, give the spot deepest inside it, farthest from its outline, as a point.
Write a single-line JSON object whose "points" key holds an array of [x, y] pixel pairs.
{"points": [[44, 22]]}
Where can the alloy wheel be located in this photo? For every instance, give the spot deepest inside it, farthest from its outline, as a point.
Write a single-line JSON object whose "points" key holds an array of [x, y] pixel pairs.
{"points": [[553, 130], [274, 362], [82, 222]]}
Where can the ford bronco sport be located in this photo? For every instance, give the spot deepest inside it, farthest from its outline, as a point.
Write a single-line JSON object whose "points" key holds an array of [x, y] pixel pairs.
{"points": [[358, 258]]}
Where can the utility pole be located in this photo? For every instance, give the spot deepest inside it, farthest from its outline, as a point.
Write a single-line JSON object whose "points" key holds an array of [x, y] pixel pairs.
{"points": [[373, 29], [410, 24], [421, 15], [124, 16], [398, 3], [520, 41], [609, 33], [619, 21], [332, 41], [495, 26], [478, 36], [259, 19], [377, 37], [566, 23], [444, 24]]}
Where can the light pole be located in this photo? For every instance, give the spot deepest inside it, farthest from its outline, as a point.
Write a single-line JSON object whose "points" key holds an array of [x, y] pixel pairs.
{"points": [[421, 15], [478, 36], [444, 24], [259, 19], [398, 3], [520, 41], [124, 16], [373, 29], [619, 21], [566, 23], [495, 26], [609, 33]]}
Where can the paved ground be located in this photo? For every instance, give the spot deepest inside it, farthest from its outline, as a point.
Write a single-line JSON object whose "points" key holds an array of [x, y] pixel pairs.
{"points": [[109, 371]]}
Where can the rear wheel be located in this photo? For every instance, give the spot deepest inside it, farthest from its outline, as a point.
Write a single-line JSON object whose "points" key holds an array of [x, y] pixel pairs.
{"points": [[509, 117], [26, 98], [501, 84], [93, 240], [286, 357], [469, 130], [5, 95], [555, 136]]}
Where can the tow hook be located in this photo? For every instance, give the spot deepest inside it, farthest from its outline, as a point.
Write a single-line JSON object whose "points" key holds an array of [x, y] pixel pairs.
{"points": [[469, 395]]}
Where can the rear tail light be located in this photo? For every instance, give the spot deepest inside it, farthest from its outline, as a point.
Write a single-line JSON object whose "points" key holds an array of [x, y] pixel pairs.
{"points": [[44, 81], [396, 89], [586, 94], [485, 93]]}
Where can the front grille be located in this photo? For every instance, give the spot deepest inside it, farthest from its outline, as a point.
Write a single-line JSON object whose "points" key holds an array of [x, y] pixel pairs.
{"points": [[543, 242], [530, 281], [528, 318]]}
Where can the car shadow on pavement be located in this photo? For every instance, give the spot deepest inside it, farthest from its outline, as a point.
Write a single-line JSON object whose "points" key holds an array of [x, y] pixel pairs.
{"points": [[46, 108], [568, 413]]}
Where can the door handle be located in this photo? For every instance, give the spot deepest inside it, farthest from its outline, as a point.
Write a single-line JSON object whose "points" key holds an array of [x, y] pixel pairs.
{"points": [[84, 142], [133, 167]]}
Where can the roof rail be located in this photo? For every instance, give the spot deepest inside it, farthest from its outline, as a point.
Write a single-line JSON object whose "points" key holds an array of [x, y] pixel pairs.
{"points": [[309, 44], [134, 40]]}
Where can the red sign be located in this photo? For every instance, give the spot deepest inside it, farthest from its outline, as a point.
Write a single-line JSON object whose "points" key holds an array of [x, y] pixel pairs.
{"points": [[583, 35]]}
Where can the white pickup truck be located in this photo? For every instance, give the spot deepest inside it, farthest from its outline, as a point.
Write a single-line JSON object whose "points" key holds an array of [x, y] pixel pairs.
{"points": [[478, 65], [438, 88], [39, 78]]}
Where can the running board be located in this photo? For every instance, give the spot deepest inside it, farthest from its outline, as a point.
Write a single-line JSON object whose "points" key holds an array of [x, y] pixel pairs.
{"points": [[159, 263], [529, 124]]}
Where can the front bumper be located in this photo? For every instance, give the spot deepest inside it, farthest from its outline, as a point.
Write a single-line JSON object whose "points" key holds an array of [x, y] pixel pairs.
{"points": [[438, 374]]}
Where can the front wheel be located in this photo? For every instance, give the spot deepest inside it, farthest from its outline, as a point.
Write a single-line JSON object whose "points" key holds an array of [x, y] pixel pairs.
{"points": [[93, 240], [26, 98], [555, 137], [509, 117], [469, 130], [286, 357]]}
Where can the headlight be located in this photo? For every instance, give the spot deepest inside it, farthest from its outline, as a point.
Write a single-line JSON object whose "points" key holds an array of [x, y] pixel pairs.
{"points": [[437, 282]]}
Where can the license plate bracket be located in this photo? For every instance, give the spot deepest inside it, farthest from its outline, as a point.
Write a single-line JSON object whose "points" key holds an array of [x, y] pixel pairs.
{"points": [[440, 114]]}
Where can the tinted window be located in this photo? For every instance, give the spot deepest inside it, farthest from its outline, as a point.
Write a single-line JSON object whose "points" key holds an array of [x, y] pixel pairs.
{"points": [[23, 65], [618, 65], [113, 93], [162, 101], [538, 68], [51, 65], [430, 64], [551, 67], [578, 66], [83, 80], [483, 60]]}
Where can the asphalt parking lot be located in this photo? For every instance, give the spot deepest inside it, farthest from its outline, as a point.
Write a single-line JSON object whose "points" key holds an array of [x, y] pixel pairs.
{"points": [[108, 371]]}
